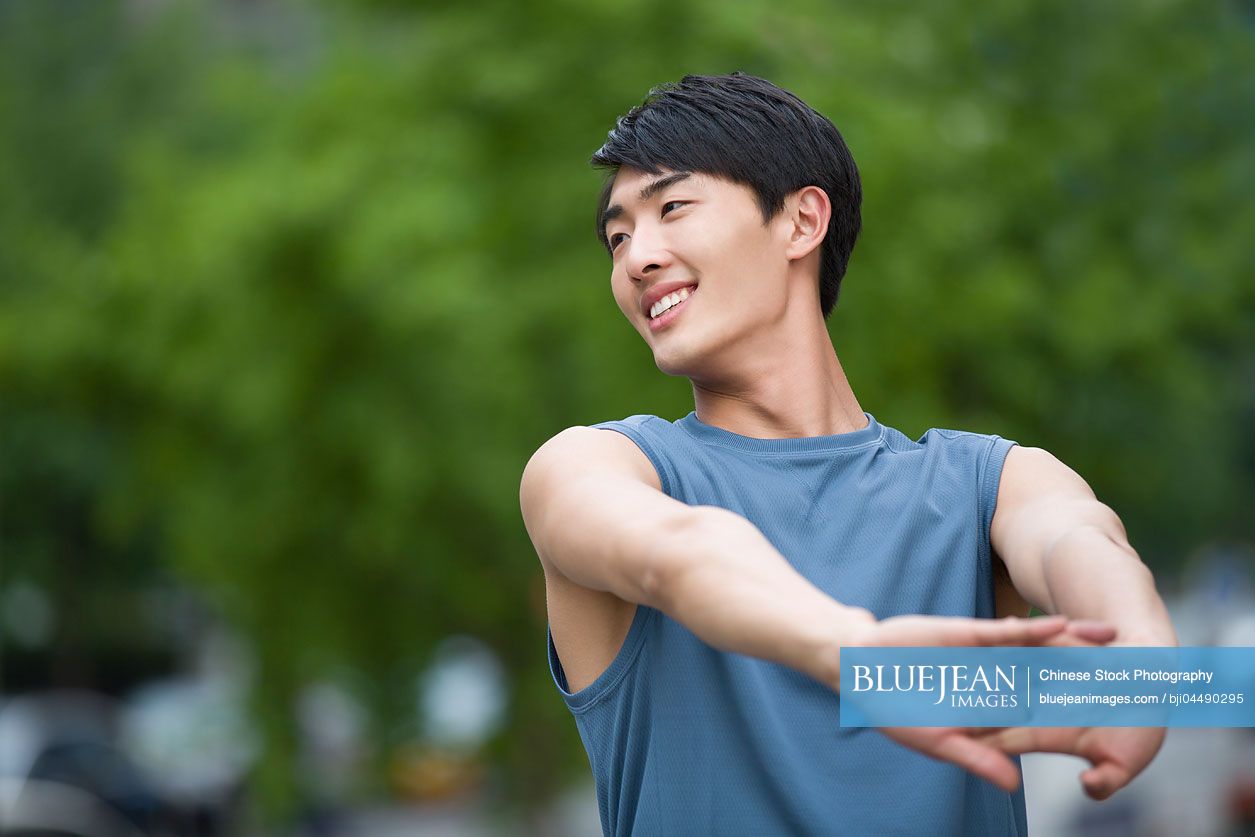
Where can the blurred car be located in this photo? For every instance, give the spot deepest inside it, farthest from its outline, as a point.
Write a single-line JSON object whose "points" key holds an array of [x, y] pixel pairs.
{"points": [[61, 771]]}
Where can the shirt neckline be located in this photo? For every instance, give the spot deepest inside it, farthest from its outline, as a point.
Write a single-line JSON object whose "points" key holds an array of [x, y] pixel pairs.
{"points": [[870, 434]]}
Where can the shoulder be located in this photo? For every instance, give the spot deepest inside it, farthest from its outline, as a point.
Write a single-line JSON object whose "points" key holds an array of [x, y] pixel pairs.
{"points": [[1038, 463], [953, 437], [967, 458], [1031, 472], [944, 445], [582, 449], [635, 420]]}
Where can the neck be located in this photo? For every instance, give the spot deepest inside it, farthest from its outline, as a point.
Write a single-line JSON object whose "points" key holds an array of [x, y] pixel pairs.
{"points": [[795, 389]]}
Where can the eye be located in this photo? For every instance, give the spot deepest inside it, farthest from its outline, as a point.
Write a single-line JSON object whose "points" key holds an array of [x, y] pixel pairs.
{"points": [[614, 240]]}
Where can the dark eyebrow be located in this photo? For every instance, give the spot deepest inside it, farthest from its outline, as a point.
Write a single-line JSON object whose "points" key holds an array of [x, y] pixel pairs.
{"points": [[652, 188]]}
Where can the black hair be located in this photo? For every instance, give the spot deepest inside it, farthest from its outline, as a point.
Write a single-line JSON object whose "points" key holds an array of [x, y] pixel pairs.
{"points": [[747, 130]]}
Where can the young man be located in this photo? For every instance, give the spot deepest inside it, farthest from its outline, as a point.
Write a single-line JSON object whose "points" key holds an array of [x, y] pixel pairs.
{"points": [[704, 574]]}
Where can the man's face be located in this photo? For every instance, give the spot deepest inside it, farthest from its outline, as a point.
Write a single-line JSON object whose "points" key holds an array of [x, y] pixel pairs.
{"points": [[703, 233]]}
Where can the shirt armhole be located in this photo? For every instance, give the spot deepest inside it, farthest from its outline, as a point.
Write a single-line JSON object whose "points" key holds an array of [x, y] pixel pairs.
{"points": [[989, 478], [618, 669]]}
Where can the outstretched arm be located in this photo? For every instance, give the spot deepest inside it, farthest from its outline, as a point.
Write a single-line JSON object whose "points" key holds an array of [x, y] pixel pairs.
{"points": [[1068, 553], [592, 504]]}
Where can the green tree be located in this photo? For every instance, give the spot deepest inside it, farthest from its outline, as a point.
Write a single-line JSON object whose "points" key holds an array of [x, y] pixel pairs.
{"points": [[290, 306]]}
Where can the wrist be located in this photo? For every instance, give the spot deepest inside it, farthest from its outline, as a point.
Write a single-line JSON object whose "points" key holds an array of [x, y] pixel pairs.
{"points": [[843, 628]]}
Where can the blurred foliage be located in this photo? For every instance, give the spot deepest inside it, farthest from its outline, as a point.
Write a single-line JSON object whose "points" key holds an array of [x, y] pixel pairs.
{"points": [[291, 292]]}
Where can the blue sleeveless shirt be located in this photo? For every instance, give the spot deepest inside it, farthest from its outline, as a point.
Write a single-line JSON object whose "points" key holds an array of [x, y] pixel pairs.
{"points": [[684, 739]]}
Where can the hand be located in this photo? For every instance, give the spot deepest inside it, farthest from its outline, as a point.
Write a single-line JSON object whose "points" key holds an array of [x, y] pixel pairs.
{"points": [[1117, 754], [962, 746], [969, 747], [962, 631]]}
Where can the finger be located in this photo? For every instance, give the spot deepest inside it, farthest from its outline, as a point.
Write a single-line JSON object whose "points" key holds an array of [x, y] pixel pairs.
{"points": [[1015, 741], [1092, 630], [983, 732], [1067, 639], [981, 759], [1102, 781], [1009, 631], [1015, 631], [1012, 740]]}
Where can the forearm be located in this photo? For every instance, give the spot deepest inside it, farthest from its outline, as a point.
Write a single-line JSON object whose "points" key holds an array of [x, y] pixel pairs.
{"points": [[1090, 576], [736, 592]]}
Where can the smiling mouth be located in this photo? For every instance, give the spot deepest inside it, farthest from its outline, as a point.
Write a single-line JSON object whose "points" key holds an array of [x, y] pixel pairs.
{"points": [[665, 318]]}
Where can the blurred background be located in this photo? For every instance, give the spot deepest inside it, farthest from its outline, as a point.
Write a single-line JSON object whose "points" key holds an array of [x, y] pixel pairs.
{"points": [[290, 292]]}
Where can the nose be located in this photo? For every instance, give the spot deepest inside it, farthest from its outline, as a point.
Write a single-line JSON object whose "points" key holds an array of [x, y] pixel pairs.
{"points": [[646, 254]]}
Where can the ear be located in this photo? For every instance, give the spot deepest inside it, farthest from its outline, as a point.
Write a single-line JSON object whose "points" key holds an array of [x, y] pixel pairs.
{"points": [[807, 212]]}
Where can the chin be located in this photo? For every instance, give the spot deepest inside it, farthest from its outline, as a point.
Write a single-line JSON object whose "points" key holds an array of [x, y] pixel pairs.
{"points": [[672, 363]]}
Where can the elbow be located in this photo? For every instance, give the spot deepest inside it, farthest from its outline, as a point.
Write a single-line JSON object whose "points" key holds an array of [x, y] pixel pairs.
{"points": [[1078, 547], [1104, 518], [652, 586], [1102, 523]]}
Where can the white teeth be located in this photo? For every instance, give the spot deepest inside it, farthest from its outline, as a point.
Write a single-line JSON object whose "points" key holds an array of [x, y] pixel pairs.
{"points": [[668, 301]]}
